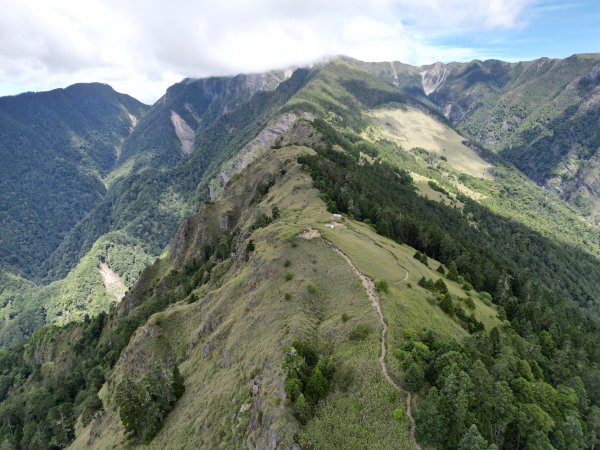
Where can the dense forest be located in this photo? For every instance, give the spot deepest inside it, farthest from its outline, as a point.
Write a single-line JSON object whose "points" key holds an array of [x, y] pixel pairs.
{"points": [[543, 364]]}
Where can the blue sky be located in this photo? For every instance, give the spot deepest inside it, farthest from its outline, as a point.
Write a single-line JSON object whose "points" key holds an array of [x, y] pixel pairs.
{"points": [[555, 29], [142, 46]]}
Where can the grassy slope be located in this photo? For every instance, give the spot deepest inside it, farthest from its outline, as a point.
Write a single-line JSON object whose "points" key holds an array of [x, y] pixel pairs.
{"points": [[238, 329], [411, 127], [508, 193]]}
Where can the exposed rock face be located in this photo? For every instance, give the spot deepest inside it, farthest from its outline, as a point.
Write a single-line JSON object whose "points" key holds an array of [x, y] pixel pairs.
{"points": [[264, 140], [184, 132], [112, 281], [433, 77]]}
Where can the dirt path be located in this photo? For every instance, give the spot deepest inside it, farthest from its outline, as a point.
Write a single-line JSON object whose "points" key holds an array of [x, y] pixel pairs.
{"points": [[374, 297]]}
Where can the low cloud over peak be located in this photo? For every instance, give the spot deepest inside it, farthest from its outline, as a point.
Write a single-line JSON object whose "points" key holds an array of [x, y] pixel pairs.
{"points": [[141, 47]]}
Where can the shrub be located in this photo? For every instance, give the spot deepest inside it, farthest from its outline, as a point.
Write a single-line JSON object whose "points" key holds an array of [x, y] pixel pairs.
{"points": [[193, 298], [287, 263], [262, 221], [399, 414], [91, 407], [453, 272], [426, 284], [440, 286], [345, 317], [447, 304], [382, 286], [287, 296], [312, 289], [275, 213], [360, 332], [250, 247], [288, 276], [293, 387], [308, 378], [421, 257], [143, 406], [302, 409], [469, 303]]}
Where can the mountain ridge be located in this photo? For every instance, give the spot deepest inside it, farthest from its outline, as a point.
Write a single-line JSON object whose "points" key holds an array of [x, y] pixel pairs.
{"points": [[252, 331]]}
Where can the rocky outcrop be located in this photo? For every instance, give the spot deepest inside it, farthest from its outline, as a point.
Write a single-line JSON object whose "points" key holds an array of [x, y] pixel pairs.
{"points": [[264, 140], [184, 132], [433, 77]]}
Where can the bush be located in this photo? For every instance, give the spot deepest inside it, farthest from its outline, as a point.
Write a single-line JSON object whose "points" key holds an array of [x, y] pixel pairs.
{"points": [[91, 407], [469, 303], [453, 272], [312, 289], [440, 286], [426, 283], [288, 276], [287, 263], [360, 332], [275, 213], [302, 409], [399, 414], [287, 296], [421, 257], [447, 304], [249, 248], [262, 221], [345, 317], [144, 405], [382, 286], [293, 387]]}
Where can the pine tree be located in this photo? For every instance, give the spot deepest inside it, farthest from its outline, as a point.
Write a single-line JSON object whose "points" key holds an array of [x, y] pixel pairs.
{"points": [[472, 440], [453, 272]]}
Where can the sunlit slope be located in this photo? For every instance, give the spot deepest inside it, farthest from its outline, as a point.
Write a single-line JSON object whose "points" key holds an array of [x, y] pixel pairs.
{"points": [[233, 336], [411, 127]]}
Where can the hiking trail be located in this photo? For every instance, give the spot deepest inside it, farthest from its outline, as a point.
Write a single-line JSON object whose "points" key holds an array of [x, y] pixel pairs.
{"points": [[374, 297]]}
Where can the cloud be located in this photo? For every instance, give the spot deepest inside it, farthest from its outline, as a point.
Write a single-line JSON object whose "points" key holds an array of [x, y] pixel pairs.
{"points": [[141, 47]]}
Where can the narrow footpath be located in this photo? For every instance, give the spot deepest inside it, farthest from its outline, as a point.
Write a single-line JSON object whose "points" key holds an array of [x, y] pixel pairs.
{"points": [[374, 297]]}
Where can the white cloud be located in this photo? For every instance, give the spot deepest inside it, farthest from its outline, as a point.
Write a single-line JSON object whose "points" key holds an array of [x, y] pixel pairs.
{"points": [[141, 47]]}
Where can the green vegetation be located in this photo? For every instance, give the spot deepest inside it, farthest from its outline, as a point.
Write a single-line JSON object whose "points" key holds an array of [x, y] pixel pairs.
{"points": [[360, 332], [144, 405], [27, 307], [537, 114], [308, 378], [382, 286], [497, 343], [57, 147], [350, 187]]}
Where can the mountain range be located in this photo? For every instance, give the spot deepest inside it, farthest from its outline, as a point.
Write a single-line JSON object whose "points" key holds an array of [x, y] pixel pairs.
{"points": [[351, 255]]}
